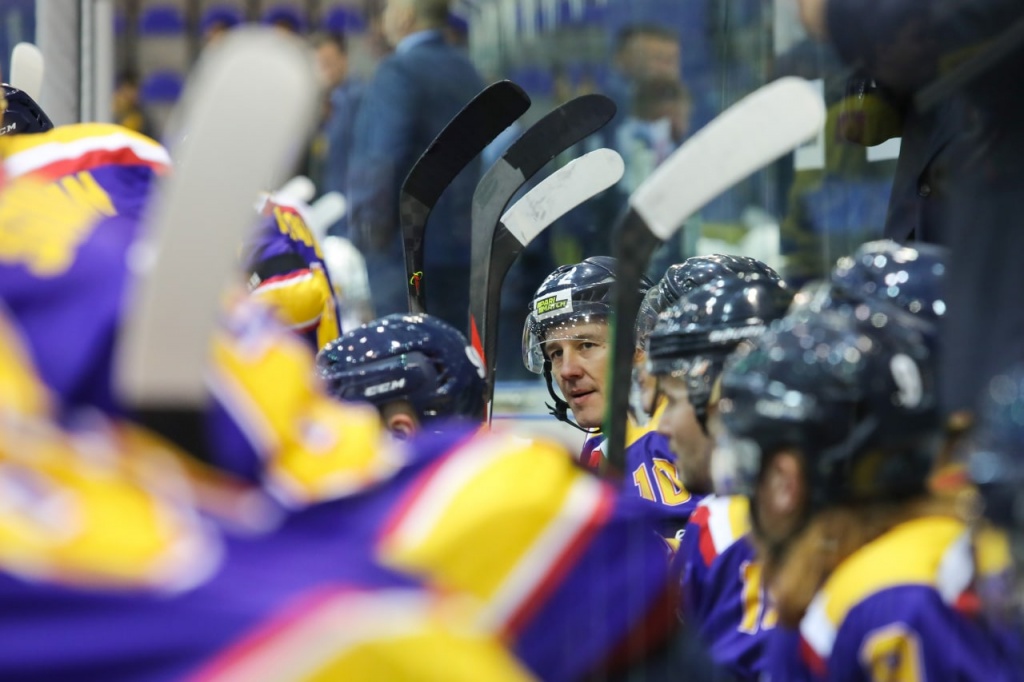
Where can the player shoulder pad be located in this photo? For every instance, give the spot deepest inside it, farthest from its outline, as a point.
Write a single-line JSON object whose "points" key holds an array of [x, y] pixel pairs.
{"points": [[931, 552], [719, 522]]}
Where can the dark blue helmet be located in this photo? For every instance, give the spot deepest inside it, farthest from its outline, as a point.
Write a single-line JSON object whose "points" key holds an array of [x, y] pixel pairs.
{"points": [[996, 461], [418, 358], [570, 296], [692, 273], [908, 277], [693, 337], [22, 114], [856, 397]]}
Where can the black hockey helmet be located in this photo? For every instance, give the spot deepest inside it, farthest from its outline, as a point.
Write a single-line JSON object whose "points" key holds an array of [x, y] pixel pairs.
{"points": [[418, 358], [856, 397], [22, 114], [570, 296], [688, 275], [693, 338]]}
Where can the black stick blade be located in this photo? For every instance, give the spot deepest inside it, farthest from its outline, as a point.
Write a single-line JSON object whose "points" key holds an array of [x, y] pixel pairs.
{"points": [[496, 108], [546, 139]]}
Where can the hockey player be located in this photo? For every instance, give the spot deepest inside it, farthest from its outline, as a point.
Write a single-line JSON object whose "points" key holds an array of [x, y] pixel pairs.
{"points": [[650, 463], [287, 272], [417, 370], [565, 338], [721, 579], [831, 425]]}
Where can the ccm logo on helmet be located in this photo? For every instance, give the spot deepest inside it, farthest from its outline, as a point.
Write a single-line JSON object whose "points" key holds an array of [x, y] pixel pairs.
{"points": [[386, 387]]}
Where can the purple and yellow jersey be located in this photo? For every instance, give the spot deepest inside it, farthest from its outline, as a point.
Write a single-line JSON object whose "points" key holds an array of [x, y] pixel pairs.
{"points": [[903, 607], [114, 565], [723, 595], [287, 272], [69, 209], [651, 476], [563, 568]]}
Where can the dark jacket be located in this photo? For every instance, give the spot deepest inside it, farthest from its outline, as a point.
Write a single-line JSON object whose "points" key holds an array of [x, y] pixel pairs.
{"points": [[907, 45], [410, 99]]}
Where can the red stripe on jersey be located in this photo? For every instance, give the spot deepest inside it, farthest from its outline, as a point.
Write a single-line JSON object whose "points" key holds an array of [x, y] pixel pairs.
{"points": [[124, 156], [706, 542], [570, 553], [812, 660], [409, 499], [968, 603], [294, 274], [266, 633]]}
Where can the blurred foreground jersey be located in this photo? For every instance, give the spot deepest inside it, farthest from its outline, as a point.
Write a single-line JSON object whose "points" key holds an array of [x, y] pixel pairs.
{"points": [[70, 208], [723, 596], [116, 563], [112, 566], [549, 559], [903, 607]]}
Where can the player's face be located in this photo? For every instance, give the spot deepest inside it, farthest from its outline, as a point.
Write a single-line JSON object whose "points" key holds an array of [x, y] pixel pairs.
{"points": [[579, 366], [687, 439]]}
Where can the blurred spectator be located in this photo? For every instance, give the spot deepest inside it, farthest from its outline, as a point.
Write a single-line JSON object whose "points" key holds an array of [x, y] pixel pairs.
{"points": [[127, 108], [333, 145], [657, 123], [643, 51], [410, 99]]}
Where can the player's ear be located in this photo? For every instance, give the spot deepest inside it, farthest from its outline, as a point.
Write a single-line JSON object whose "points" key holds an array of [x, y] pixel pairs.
{"points": [[401, 425]]}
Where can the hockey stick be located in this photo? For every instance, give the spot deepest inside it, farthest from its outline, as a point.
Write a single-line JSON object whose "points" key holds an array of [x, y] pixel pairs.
{"points": [[559, 193], [235, 147], [755, 131], [546, 139], [483, 119], [27, 68]]}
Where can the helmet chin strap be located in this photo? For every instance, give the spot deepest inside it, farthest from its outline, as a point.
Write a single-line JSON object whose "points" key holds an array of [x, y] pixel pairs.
{"points": [[560, 410]]}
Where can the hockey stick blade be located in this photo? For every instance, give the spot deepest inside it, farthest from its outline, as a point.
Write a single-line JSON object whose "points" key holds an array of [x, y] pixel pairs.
{"points": [[489, 113], [546, 139], [748, 136], [559, 193], [27, 69], [235, 147]]}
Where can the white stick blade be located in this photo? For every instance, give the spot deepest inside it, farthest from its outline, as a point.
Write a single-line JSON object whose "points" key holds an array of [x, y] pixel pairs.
{"points": [[562, 191], [752, 133], [27, 68], [235, 146]]}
